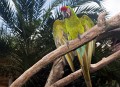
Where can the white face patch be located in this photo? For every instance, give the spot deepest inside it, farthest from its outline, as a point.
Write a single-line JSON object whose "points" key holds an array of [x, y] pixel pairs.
{"points": [[68, 12]]}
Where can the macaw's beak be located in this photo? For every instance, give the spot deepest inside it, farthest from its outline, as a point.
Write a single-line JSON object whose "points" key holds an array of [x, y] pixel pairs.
{"points": [[65, 14]]}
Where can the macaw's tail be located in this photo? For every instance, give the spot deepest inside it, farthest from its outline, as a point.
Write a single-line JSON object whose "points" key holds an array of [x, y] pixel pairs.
{"points": [[85, 64], [69, 58]]}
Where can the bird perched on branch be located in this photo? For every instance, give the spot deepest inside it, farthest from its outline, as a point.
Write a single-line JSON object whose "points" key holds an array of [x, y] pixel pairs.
{"points": [[59, 34], [70, 28]]}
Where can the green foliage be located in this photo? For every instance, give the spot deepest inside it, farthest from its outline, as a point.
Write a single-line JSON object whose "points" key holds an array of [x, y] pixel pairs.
{"points": [[10, 64], [30, 37]]}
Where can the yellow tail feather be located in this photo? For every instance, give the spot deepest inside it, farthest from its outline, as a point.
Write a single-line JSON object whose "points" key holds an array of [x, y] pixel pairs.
{"points": [[85, 65], [70, 61]]}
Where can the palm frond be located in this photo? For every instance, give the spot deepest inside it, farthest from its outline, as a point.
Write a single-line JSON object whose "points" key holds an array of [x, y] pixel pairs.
{"points": [[7, 13]]}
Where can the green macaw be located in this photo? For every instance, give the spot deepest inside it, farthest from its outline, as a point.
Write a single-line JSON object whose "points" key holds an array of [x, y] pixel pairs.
{"points": [[74, 27], [59, 35]]}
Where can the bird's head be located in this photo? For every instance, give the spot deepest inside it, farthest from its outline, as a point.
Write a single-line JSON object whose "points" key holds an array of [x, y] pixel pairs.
{"points": [[66, 12]]}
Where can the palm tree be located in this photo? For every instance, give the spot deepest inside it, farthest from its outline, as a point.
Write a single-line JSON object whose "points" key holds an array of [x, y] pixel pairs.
{"points": [[30, 37], [10, 65]]}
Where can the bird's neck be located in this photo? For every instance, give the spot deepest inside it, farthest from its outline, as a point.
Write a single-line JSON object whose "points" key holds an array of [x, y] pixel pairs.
{"points": [[73, 18]]}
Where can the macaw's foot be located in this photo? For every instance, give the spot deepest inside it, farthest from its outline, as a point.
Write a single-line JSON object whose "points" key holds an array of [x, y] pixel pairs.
{"points": [[67, 44], [79, 36]]}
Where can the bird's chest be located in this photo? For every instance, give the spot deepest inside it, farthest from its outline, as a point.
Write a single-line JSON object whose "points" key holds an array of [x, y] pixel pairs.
{"points": [[72, 30]]}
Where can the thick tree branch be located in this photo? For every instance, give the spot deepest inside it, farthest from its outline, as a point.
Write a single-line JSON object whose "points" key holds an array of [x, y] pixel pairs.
{"points": [[116, 47], [112, 33], [94, 67], [86, 37]]}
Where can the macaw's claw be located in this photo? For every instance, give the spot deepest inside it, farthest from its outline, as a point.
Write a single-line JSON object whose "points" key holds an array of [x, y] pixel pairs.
{"points": [[79, 36], [67, 44]]}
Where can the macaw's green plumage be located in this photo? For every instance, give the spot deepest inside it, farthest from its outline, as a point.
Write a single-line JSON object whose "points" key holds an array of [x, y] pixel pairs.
{"points": [[74, 27], [87, 24], [59, 34]]}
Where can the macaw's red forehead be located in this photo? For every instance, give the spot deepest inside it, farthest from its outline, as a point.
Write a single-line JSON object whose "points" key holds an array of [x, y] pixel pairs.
{"points": [[64, 8]]}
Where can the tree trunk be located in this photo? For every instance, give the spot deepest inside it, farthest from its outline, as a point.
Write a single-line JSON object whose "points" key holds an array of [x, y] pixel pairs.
{"points": [[10, 80], [56, 73]]}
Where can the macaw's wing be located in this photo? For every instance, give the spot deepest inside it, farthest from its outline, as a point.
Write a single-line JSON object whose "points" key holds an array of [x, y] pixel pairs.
{"points": [[60, 38], [87, 24], [85, 52], [58, 31]]}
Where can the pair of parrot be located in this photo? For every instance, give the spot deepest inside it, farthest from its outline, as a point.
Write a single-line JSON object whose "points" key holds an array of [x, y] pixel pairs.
{"points": [[70, 28]]}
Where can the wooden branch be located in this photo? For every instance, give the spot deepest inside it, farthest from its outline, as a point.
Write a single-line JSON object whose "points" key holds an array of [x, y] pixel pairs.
{"points": [[86, 37], [112, 33], [94, 67], [115, 48]]}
